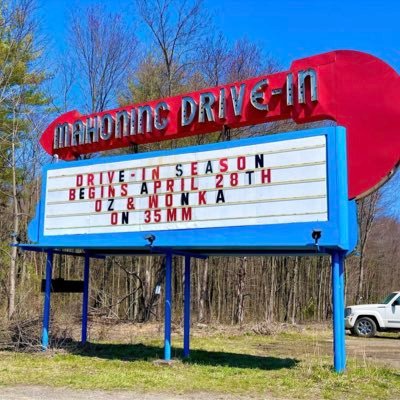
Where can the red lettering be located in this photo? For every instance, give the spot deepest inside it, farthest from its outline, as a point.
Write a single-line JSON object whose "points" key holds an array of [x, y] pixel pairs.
{"points": [[157, 216], [71, 194], [219, 181], [234, 179], [92, 192], [171, 214], [202, 197], [155, 173], [124, 189], [266, 176], [110, 175], [223, 165], [157, 185], [241, 163], [90, 179], [98, 205], [143, 174], [193, 184], [130, 203], [79, 180], [147, 216], [170, 185], [111, 191], [187, 214], [153, 201], [194, 168], [114, 218], [169, 200]]}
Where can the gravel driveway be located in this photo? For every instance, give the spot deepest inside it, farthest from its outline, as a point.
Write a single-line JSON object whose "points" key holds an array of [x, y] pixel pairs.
{"points": [[48, 393]]}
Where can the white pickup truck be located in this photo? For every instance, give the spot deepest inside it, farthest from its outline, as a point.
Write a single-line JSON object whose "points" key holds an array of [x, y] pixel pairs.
{"points": [[366, 319]]}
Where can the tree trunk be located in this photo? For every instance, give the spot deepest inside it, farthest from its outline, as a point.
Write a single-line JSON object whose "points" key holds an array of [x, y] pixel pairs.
{"points": [[13, 261], [294, 299], [360, 286], [320, 272], [240, 286], [270, 308], [203, 291]]}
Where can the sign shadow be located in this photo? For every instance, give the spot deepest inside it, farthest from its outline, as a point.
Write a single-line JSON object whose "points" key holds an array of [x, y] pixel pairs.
{"points": [[142, 352]]}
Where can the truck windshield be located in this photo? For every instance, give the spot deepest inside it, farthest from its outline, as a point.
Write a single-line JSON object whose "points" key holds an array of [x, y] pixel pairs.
{"points": [[388, 298]]}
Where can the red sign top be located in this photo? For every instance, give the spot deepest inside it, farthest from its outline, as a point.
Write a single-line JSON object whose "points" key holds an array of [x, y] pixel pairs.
{"points": [[355, 89]]}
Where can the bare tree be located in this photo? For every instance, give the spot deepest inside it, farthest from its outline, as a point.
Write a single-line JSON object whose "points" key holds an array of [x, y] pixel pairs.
{"points": [[177, 28], [66, 74], [215, 60], [203, 295], [240, 288], [390, 196], [367, 212], [245, 61], [295, 290], [102, 51]]}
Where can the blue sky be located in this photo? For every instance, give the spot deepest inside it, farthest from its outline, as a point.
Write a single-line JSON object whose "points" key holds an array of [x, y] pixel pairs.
{"points": [[285, 29], [292, 29]]}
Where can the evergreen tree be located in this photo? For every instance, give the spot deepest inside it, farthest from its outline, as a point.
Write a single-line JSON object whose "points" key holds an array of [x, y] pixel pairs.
{"points": [[21, 97]]}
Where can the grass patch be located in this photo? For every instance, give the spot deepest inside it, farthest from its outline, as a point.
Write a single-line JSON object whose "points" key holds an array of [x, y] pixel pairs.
{"points": [[289, 365]]}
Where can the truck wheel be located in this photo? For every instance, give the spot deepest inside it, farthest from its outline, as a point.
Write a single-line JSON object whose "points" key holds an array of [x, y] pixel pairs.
{"points": [[365, 327]]}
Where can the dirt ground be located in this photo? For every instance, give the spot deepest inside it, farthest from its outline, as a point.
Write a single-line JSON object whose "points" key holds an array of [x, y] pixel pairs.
{"points": [[385, 349]]}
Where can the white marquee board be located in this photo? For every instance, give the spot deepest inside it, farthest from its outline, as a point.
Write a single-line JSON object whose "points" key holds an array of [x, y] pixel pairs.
{"points": [[258, 184]]}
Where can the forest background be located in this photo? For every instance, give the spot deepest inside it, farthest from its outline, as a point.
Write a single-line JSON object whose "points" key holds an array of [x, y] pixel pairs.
{"points": [[104, 64]]}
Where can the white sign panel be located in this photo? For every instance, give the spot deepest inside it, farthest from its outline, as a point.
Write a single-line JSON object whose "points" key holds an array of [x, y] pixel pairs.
{"points": [[259, 184]]}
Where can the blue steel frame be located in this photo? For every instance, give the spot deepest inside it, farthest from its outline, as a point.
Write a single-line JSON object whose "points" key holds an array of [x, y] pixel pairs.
{"points": [[168, 300], [186, 310], [47, 294], [168, 306], [339, 333], [339, 346], [85, 302], [339, 237]]}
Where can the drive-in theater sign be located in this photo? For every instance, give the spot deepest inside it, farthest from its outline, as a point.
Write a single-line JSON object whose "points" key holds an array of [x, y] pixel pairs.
{"points": [[292, 193]]}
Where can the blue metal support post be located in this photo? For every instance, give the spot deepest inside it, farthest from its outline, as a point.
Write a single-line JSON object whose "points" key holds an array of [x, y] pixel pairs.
{"points": [[339, 344], [342, 258], [85, 302], [186, 314], [47, 296], [168, 308]]}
